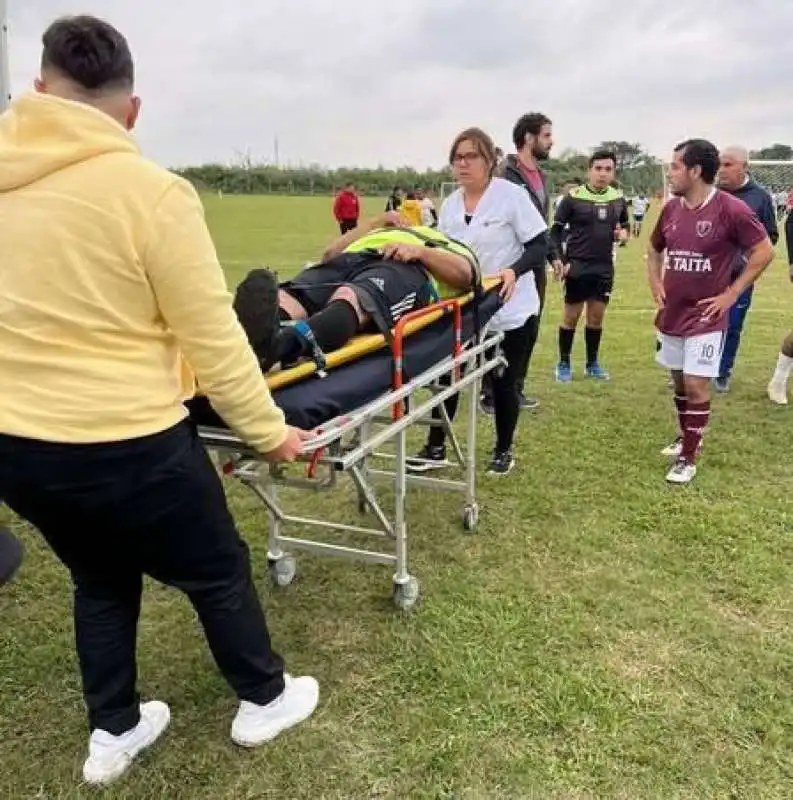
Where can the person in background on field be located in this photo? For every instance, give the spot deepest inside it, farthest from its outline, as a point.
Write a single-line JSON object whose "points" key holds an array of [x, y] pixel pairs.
{"points": [[701, 231], [347, 208], [410, 210], [511, 249], [98, 324], [777, 388], [734, 178], [639, 207], [394, 200], [429, 216], [532, 136]]}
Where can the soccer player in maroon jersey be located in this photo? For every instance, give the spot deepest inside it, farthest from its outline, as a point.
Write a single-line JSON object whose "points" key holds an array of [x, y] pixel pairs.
{"points": [[702, 230]]}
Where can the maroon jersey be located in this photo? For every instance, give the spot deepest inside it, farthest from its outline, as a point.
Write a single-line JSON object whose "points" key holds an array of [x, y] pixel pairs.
{"points": [[701, 246]]}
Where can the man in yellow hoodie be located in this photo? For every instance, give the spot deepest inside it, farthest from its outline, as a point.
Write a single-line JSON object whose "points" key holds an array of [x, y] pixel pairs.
{"points": [[109, 288]]}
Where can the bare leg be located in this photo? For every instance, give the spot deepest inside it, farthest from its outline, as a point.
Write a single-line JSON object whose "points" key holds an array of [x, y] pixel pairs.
{"points": [[777, 388]]}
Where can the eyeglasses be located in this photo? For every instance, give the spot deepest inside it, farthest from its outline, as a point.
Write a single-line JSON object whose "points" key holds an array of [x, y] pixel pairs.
{"points": [[466, 158]]}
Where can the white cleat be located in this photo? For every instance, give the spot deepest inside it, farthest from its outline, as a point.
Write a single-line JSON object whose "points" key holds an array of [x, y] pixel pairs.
{"points": [[777, 392], [109, 756], [681, 472], [675, 449], [255, 725]]}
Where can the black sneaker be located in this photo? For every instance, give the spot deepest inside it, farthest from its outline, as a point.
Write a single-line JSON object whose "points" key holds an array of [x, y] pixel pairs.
{"points": [[11, 555], [501, 463], [528, 403], [486, 404], [428, 458], [256, 306]]}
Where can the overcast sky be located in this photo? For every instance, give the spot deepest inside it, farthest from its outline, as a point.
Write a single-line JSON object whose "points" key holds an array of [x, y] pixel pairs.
{"points": [[367, 82]]}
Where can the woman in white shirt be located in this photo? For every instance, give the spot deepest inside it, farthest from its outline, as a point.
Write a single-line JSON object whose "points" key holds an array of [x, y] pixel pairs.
{"points": [[499, 222]]}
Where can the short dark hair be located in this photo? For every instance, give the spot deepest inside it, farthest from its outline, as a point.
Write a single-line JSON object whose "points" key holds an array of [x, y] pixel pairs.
{"points": [[528, 124], [703, 154], [90, 52], [603, 155]]}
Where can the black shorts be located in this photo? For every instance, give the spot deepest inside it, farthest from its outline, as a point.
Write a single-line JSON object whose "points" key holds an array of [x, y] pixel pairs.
{"points": [[386, 290], [638, 218], [581, 286]]}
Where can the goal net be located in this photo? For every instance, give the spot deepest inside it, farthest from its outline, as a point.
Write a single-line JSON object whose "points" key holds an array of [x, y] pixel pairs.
{"points": [[776, 177], [446, 189]]}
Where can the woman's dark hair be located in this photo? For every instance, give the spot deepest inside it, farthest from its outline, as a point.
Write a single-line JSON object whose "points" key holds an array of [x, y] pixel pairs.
{"points": [[481, 142], [703, 154], [603, 155], [528, 124], [89, 52]]}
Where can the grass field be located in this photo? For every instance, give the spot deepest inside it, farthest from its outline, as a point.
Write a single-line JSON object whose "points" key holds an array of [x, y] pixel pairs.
{"points": [[600, 635]]}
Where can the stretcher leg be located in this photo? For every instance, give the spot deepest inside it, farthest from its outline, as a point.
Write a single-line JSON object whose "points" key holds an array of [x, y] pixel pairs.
{"points": [[281, 566], [406, 587], [471, 508]]}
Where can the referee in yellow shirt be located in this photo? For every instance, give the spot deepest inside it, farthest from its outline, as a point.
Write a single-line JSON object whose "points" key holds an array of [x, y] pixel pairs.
{"points": [[108, 280]]}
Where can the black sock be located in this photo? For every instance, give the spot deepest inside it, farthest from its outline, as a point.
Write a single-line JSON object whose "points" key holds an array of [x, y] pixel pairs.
{"points": [[592, 339], [332, 327], [566, 336]]}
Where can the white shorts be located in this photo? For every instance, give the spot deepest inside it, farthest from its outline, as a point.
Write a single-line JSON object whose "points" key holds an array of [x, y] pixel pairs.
{"points": [[699, 356]]}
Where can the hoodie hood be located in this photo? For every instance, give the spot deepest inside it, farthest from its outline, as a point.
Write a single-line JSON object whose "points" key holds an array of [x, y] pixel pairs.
{"points": [[41, 134]]}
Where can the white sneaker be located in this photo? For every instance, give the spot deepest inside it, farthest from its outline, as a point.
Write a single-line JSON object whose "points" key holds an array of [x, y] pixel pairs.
{"points": [[777, 392], [675, 449], [681, 472], [255, 725], [110, 756]]}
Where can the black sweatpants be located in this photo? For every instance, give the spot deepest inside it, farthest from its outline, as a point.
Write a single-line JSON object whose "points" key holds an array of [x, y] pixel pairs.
{"points": [[533, 327], [153, 506], [504, 387]]}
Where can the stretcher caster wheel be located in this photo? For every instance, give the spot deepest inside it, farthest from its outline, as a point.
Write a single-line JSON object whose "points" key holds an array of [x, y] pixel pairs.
{"points": [[470, 517], [406, 594], [282, 570]]}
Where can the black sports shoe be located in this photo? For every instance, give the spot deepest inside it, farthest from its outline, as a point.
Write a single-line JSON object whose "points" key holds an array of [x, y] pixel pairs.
{"points": [[428, 458], [256, 306], [11, 555], [486, 405], [528, 403], [501, 463]]}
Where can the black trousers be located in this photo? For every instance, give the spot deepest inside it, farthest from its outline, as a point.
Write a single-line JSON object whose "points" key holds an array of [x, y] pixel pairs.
{"points": [[150, 506], [504, 389], [347, 225]]}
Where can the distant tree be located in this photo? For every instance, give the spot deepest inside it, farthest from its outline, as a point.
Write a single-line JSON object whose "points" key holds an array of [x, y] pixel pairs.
{"points": [[628, 154], [776, 152]]}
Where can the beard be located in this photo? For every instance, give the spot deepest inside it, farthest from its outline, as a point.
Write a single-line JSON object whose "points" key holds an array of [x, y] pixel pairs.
{"points": [[541, 155]]}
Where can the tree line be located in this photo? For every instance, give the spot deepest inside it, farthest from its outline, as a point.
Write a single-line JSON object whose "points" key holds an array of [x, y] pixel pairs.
{"points": [[637, 173]]}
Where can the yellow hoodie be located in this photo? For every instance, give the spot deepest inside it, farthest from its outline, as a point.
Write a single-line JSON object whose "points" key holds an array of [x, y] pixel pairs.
{"points": [[109, 281]]}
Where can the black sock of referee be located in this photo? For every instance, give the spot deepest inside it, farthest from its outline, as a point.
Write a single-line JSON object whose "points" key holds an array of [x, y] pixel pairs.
{"points": [[592, 339], [566, 336], [332, 327]]}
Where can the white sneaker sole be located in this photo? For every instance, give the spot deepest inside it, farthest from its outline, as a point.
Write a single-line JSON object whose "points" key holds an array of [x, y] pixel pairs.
{"points": [[680, 480]]}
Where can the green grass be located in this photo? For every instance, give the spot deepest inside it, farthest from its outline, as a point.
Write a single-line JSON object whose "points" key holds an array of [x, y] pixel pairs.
{"points": [[600, 635]]}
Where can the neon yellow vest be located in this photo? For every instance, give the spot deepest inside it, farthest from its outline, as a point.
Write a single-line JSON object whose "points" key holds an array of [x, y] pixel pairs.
{"points": [[417, 234]]}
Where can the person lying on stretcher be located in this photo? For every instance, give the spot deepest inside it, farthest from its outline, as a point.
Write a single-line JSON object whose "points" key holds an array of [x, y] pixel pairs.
{"points": [[367, 280]]}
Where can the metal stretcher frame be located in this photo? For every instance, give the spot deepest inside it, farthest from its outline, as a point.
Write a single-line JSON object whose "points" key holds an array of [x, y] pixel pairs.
{"points": [[350, 443]]}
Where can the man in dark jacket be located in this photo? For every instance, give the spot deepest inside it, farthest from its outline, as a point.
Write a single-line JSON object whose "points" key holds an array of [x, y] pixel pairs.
{"points": [[533, 139], [733, 178]]}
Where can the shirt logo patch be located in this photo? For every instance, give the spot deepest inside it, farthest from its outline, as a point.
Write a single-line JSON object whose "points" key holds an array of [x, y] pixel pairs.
{"points": [[379, 283], [603, 212], [704, 227]]}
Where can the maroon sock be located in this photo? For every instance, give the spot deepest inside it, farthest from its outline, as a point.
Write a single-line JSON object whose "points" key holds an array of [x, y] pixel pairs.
{"points": [[697, 417], [681, 404]]}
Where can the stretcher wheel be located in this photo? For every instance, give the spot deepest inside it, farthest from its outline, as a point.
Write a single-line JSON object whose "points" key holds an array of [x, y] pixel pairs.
{"points": [[282, 571], [406, 594], [471, 517]]}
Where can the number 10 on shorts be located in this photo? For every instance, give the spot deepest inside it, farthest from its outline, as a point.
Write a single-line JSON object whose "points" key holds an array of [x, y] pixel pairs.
{"points": [[693, 355]]}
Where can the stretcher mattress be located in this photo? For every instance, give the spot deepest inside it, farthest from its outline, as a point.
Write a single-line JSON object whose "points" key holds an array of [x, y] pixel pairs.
{"points": [[314, 400]]}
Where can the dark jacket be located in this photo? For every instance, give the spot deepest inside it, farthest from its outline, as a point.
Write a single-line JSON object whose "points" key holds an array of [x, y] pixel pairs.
{"points": [[789, 237], [510, 170], [759, 200]]}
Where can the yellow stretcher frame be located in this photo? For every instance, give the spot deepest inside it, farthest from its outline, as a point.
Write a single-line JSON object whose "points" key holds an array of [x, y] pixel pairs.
{"points": [[363, 345]]}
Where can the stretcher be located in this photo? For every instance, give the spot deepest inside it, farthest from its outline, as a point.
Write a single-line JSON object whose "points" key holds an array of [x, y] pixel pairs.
{"points": [[362, 409]]}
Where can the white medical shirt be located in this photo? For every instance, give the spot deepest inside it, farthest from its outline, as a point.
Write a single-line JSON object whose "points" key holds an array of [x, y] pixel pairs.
{"points": [[504, 220]]}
